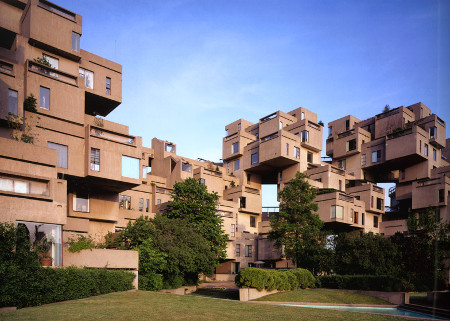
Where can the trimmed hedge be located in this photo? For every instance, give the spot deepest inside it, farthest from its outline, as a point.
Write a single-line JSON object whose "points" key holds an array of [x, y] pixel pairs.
{"points": [[270, 280], [365, 282], [30, 287]]}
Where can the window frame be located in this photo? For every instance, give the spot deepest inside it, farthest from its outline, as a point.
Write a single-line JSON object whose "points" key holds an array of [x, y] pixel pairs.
{"points": [[15, 108], [254, 158], [95, 159], [44, 92], [62, 159], [248, 250], [305, 136]]}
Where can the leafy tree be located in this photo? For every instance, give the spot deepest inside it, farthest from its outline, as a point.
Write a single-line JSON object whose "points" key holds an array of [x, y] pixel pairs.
{"points": [[423, 249], [136, 232], [386, 108], [365, 254], [192, 202], [297, 227]]}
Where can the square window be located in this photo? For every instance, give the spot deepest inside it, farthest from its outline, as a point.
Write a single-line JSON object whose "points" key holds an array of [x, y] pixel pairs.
{"points": [[169, 148], [125, 202], [12, 102], [254, 158], [130, 167], [76, 41], [158, 201], [44, 98], [62, 153], [81, 203], [351, 145]]}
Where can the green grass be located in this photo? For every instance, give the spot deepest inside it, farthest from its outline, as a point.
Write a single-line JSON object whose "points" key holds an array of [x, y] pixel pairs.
{"points": [[140, 305], [323, 296]]}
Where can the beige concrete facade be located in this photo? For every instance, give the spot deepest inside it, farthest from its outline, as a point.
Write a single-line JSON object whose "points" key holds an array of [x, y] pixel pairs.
{"points": [[85, 175]]}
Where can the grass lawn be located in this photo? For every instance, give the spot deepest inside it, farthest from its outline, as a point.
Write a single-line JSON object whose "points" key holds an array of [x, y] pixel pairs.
{"points": [[141, 305], [323, 295]]}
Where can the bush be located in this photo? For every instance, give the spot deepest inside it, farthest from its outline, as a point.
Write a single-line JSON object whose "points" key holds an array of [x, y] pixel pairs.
{"points": [[22, 288], [270, 280], [81, 243], [365, 282]]}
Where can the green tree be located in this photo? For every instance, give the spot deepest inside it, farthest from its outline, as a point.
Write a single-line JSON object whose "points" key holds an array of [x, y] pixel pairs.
{"points": [[423, 249], [192, 202], [297, 228]]}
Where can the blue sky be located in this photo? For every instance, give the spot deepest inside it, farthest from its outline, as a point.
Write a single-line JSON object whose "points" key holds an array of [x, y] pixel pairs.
{"points": [[192, 67]]}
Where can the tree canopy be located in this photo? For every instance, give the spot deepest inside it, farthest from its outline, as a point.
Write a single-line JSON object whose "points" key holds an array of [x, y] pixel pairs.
{"points": [[297, 228], [192, 202]]}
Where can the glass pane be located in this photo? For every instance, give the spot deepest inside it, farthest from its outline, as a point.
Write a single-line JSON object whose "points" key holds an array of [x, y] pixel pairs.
{"points": [[89, 79], [75, 41], [21, 187], [54, 62], [39, 188], [130, 167], [12, 102], [62, 153], [6, 185], [80, 204], [45, 98]]}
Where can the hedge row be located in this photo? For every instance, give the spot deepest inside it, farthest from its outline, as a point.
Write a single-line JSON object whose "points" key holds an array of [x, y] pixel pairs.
{"points": [[365, 282], [30, 287], [282, 280]]}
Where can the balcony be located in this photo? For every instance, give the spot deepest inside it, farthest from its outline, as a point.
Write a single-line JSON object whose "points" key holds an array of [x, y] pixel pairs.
{"points": [[52, 73], [406, 147], [430, 192], [113, 137]]}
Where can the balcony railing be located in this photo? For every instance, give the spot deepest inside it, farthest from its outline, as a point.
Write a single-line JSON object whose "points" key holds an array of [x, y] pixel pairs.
{"points": [[52, 73], [268, 117], [346, 198], [337, 171], [231, 137], [265, 139], [400, 133], [6, 68], [252, 190], [111, 136], [225, 214], [440, 121], [162, 190], [388, 113], [429, 182], [346, 133], [313, 125], [377, 189]]}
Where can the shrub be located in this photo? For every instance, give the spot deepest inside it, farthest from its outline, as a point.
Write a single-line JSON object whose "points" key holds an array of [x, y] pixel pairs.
{"points": [[81, 243], [365, 282], [270, 280]]}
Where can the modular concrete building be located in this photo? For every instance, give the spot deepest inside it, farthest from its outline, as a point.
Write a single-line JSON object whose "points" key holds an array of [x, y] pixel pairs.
{"points": [[67, 171]]}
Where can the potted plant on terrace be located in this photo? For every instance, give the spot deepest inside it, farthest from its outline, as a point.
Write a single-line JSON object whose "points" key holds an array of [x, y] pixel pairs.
{"points": [[42, 246]]}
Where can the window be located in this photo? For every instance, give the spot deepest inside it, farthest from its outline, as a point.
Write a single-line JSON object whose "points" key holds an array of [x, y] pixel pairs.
{"points": [[141, 204], [363, 159], [309, 157], [337, 212], [330, 130], [146, 170], [44, 98], [248, 177], [281, 125], [340, 185], [371, 201], [186, 167], [375, 221], [125, 202], [108, 86], [54, 62], [281, 176], [296, 152], [236, 164], [76, 41], [88, 77], [95, 159], [12, 102], [425, 149], [305, 136], [254, 158], [232, 230], [347, 124], [242, 202], [62, 153], [402, 174], [239, 126], [287, 149], [81, 203], [169, 148], [355, 217], [248, 251], [235, 148], [433, 132], [434, 154], [130, 167], [202, 181], [303, 116], [147, 205], [351, 145], [252, 221], [238, 250], [226, 132], [22, 186], [379, 203], [158, 201], [376, 156], [441, 195], [342, 164], [363, 219]]}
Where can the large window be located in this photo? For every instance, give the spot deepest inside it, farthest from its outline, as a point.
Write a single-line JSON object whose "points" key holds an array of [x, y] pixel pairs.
{"points": [[108, 86], [88, 77], [81, 203], [12, 102], [376, 156], [76, 41], [235, 148], [125, 202], [95, 159], [23, 186], [305, 136], [351, 145], [62, 153], [186, 167], [130, 167], [44, 100], [254, 158], [337, 212], [379, 203], [433, 132], [248, 251], [54, 62], [236, 164], [48, 234]]}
